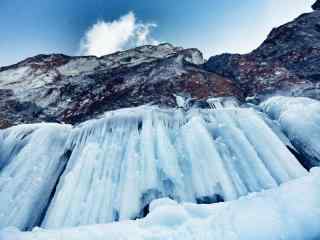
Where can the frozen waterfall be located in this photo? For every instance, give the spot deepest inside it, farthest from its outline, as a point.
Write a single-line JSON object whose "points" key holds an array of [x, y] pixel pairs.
{"points": [[111, 168], [32, 158]]}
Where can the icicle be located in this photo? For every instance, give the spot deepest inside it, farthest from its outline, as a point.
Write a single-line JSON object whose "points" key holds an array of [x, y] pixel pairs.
{"points": [[32, 157], [123, 161], [299, 119], [223, 102]]}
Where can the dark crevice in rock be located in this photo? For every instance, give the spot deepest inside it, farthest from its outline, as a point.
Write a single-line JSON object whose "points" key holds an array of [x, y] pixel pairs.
{"points": [[316, 5]]}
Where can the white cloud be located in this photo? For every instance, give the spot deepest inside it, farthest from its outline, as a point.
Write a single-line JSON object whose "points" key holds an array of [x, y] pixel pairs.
{"points": [[107, 37]]}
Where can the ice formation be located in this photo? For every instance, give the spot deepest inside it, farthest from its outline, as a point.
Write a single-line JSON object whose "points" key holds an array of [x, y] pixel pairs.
{"points": [[32, 158], [198, 156], [299, 119], [118, 164], [223, 102], [272, 214]]}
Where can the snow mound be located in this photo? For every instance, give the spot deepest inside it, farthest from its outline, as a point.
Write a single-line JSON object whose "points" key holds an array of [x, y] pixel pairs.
{"points": [[273, 214], [161, 202]]}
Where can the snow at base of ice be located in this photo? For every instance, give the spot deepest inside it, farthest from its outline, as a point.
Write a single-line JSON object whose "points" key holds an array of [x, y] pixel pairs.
{"points": [[288, 212], [299, 118]]}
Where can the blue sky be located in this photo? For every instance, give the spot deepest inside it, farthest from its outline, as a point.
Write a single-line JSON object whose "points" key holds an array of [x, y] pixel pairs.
{"points": [[98, 27]]}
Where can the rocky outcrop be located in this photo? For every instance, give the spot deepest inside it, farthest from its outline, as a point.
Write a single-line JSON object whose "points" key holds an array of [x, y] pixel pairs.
{"points": [[61, 88], [316, 5], [72, 89], [287, 62]]}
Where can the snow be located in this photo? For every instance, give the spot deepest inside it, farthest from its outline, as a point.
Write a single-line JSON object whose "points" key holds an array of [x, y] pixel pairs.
{"points": [[182, 101], [79, 66], [299, 119], [161, 202], [27, 84], [195, 58], [271, 214], [13, 75], [22, 78]]}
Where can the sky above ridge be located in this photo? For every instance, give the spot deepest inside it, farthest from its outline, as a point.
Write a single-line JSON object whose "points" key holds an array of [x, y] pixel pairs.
{"points": [[99, 27]]}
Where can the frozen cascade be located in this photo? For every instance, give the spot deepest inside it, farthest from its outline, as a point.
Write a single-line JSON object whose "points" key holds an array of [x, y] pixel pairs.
{"points": [[299, 119], [120, 163], [32, 158]]}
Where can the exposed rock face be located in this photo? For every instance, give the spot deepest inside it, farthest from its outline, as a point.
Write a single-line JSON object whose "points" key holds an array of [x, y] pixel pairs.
{"points": [[287, 62], [72, 89], [316, 5]]}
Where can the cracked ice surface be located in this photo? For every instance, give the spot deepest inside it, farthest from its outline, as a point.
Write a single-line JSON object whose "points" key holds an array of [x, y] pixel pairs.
{"points": [[271, 214]]}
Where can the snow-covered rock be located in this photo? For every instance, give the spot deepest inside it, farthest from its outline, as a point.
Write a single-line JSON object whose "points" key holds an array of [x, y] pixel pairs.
{"points": [[60, 88], [273, 214]]}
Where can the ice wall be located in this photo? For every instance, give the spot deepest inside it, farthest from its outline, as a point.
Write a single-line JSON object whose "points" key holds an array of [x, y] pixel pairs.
{"points": [[120, 163], [111, 168], [299, 119]]}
